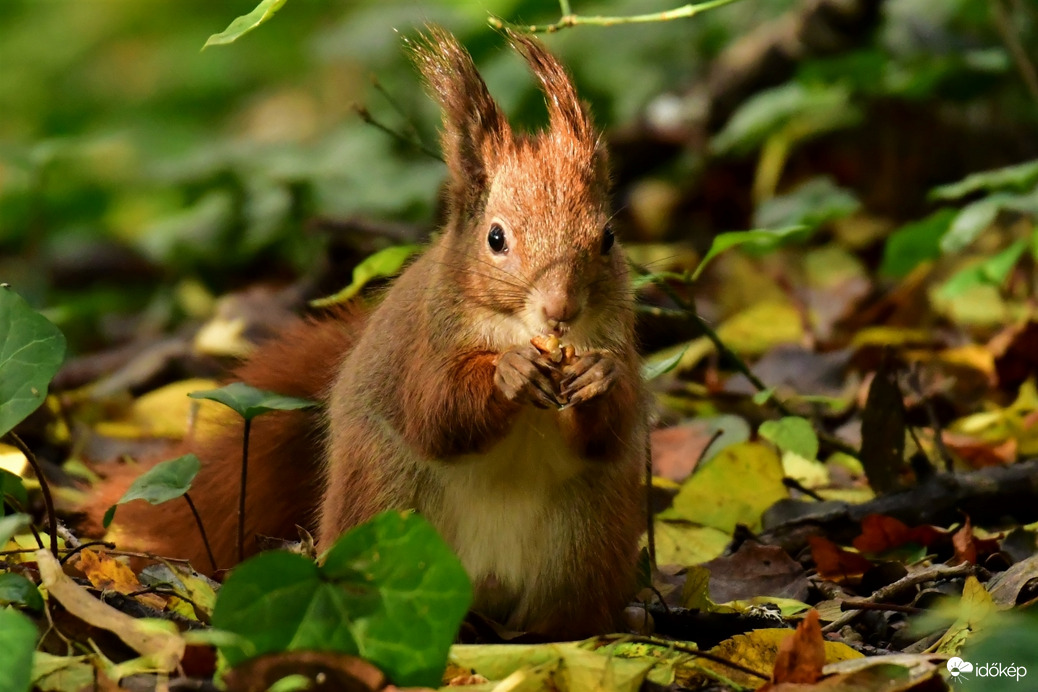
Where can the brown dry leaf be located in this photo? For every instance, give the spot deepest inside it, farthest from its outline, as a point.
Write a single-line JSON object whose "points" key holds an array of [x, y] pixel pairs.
{"points": [[677, 450], [758, 650], [969, 548], [836, 564], [756, 570], [880, 533], [108, 574], [979, 453], [161, 648], [801, 657]]}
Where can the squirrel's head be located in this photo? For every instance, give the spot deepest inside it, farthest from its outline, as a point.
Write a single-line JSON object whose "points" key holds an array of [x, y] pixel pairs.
{"points": [[528, 231]]}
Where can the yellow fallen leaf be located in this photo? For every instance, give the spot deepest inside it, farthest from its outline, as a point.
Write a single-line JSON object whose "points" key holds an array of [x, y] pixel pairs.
{"points": [[685, 544], [108, 574], [735, 487]]}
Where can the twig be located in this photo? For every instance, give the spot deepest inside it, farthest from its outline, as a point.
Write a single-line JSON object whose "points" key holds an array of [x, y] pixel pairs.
{"points": [[858, 604], [794, 484], [48, 501], [938, 437], [738, 363], [1023, 63], [685, 649], [241, 489], [201, 530], [569, 19], [367, 117], [891, 591], [82, 546]]}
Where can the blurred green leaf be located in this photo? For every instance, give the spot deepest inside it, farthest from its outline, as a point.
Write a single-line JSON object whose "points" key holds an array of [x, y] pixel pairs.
{"points": [[991, 272], [31, 351], [811, 204], [653, 369], [161, 483], [971, 221], [1016, 178], [249, 402], [10, 525], [390, 590], [17, 590], [915, 243], [791, 434], [762, 239], [383, 263], [245, 23], [12, 486], [17, 643], [819, 108]]}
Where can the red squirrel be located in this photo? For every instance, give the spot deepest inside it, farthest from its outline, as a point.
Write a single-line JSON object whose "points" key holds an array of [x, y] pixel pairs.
{"points": [[438, 400]]}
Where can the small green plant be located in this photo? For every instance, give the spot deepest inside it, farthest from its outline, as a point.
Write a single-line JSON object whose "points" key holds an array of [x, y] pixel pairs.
{"points": [[248, 402]]}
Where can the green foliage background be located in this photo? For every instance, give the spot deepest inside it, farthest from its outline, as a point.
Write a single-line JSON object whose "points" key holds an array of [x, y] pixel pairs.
{"points": [[119, 133]]}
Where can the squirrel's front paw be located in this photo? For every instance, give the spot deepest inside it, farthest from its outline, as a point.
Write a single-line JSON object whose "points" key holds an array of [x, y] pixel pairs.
{"points": [[524, 376], [590, 375]]}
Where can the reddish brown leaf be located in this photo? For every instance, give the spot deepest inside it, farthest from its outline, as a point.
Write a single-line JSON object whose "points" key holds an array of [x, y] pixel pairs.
{"points": [[980, 453], [880, 533], [836, 564], [969, 548], [801, 657], [962, 541], [676, 450]]}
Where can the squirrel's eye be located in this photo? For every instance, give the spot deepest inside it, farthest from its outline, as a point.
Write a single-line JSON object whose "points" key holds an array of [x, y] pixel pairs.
{"points": [[496, 238], [607, 240]]}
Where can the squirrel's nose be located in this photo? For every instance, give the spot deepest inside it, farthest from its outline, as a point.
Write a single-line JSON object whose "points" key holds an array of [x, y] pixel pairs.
{"points": [[559, 308]]}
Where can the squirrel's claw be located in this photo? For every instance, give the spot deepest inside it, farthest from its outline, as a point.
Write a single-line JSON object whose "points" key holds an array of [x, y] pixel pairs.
{"points": [[523, 375], [592, 375]]}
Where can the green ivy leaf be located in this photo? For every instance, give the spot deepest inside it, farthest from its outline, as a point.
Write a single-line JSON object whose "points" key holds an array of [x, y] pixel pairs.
{"points": [[31, 351], [791, 434], [991, 272], [16, 589], [1018, 178], [652, 370], [17, 643], [761, 239], [811, 204], [245, 23], [915, 243], [163, 482], [10, 525], [390, 590], [249, 402], [13, 487], [383, 263]]}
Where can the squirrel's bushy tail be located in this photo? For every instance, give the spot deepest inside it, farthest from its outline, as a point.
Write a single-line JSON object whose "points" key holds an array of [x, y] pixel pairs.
{"points": [[286, 449]]}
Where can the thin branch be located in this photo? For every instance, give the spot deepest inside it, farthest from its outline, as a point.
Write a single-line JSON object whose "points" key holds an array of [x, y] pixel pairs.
{"points": [[901, 586], [738, 363], [569, 19], [685, 649], [48, 501], [82, 546], [201, 530], [1023, 63], [367, 117]]}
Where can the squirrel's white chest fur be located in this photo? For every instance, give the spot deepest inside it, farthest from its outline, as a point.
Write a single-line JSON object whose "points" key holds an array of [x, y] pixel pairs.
{"points": [[496, 505]]}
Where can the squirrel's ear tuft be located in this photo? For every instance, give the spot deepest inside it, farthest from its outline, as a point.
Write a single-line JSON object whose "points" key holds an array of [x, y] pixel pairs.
{"points": [[473, 124], [567, 114]]}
